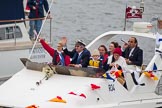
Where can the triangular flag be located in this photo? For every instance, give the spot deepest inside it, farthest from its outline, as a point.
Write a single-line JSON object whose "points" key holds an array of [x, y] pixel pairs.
{"points": [[107, 76], [154, 67], [94, 86], [32, 106], [150, 74], [57, 99], [118, 73], [72, 93], [82, 95]]}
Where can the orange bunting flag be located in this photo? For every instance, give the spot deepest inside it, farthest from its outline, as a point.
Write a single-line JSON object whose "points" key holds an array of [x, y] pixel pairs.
{"points": [[72, 93], [82, 95], [32, 106], [151, 75], [57, 99], [94, 86], [117, 73]]}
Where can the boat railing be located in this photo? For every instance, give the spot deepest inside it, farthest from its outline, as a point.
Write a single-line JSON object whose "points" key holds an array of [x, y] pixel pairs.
{"points": [[141, 100], [14, 27]]}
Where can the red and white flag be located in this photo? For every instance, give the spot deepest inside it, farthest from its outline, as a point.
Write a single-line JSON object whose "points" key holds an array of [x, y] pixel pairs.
{"points": [[133, 12]]}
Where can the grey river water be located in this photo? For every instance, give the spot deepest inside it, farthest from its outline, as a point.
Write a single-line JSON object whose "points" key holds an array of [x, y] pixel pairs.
{"points": [[86, 19]]}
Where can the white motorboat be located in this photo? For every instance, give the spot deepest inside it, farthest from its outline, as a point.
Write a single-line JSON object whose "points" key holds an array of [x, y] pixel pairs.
{"points": [[14, 40], [76, 91]]}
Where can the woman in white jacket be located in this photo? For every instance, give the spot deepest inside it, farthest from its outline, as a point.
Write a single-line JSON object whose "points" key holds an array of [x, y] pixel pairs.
{"points": [[118, 62]]}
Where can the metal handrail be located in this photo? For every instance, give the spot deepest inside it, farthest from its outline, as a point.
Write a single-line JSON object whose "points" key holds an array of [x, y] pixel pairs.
{"points": [[27, 19]]}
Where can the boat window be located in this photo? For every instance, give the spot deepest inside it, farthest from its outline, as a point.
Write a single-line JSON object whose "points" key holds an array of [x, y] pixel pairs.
{"points": [[10, 32]]}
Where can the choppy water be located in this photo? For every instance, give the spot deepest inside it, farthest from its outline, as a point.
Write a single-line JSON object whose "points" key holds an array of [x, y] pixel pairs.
{"points": [[86, 19]]}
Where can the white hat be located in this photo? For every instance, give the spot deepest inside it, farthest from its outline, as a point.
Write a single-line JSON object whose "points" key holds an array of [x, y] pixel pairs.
{"points": [[80, 42], [95, 52]]}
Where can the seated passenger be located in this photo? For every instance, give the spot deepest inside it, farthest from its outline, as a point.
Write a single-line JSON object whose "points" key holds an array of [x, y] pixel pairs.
{"points": [[112, 46], [116, 60], [95, 60], [59, 57], [132, 53], [134, 58], [103, 55], [95, 64], [80, 55]]}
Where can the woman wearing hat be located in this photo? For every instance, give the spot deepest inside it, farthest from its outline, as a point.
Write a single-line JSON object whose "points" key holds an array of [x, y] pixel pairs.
{"points": [[117, 59], [117, 65], [59, 57], [95, 60]]}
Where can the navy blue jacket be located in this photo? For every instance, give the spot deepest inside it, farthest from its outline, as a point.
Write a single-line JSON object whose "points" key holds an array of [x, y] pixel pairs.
{"points": [[84, 59], [136, 57], [40, 5]]}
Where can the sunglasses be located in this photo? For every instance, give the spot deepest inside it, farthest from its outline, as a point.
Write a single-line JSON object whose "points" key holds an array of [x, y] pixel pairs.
{"points": [[130, 41]]}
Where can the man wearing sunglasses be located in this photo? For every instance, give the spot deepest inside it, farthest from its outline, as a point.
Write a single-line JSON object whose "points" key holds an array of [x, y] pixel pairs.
{"points": [[134, 58], [79, 55], [133, 54]]}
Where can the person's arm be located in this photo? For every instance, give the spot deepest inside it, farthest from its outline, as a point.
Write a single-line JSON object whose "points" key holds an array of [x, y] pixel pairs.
{"points": [[69, 53], [66, 51], [49, 49], [46, 6], [30, 4], [85, 59]]}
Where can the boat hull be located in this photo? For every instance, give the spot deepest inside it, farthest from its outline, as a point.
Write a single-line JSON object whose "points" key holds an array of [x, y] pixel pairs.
{"points": [[10, 60]]}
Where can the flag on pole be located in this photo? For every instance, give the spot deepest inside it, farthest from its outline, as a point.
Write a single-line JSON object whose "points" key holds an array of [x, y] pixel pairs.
{"points": [[133, 12]]}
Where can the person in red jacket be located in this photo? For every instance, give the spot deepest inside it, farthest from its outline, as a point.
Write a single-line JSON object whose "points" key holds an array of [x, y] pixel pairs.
{"points": [[59, 57]]}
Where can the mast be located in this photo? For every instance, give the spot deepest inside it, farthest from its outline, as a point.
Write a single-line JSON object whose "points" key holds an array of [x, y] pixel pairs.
{"points": [[142, 6]]}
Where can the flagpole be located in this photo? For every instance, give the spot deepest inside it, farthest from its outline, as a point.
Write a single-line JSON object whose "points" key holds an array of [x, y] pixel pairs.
{"points": [[125, 18]]}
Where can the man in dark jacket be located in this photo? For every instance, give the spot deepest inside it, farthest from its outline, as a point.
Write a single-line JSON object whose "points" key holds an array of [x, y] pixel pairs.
{"points": [[133, 54], [134, 58], [80, 55], [36, 11]]}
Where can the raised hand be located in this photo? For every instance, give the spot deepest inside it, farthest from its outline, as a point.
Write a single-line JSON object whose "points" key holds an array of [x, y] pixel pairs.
{"points": [[64, 41]]}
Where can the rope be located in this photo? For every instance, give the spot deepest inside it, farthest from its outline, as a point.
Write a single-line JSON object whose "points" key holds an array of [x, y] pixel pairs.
{"points": [[40, 30]]}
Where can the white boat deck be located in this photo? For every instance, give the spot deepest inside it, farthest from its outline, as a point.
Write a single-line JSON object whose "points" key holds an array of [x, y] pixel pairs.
{"points": [[26, 92]]}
